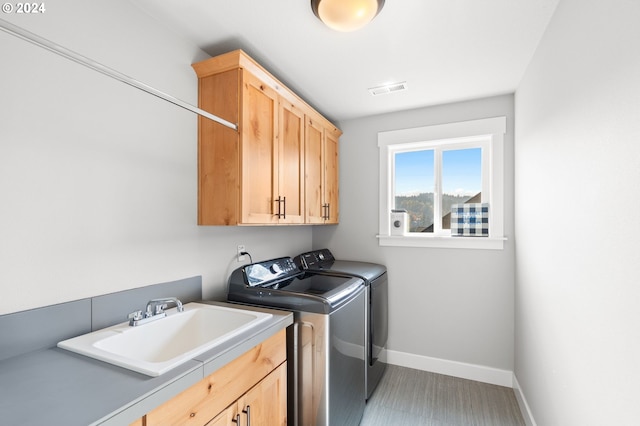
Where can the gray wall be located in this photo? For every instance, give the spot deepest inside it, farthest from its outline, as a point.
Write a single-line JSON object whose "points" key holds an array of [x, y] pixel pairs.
{"points": [[97, 179], [450, 304], [577, 175]]}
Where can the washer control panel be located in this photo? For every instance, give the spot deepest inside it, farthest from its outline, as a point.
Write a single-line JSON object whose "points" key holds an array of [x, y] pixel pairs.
{"points": [[269, 271]]}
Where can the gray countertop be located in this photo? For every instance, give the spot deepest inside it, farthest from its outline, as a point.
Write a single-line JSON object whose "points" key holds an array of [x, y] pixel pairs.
{"points": [[58, 387]]}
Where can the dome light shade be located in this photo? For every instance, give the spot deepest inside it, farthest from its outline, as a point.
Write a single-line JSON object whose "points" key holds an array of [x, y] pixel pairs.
{"points": [[346, 15]]}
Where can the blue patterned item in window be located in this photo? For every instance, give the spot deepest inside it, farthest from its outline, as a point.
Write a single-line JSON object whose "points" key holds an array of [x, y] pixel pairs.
{"points": [[470, 220]]}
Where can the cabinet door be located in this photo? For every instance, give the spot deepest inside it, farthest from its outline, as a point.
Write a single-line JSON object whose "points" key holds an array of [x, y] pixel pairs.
{"points": [[258, 151], [266, 403], [331, 165], [204, 401], [315, 209], [228, 417], [321, 173], [291, 163]]}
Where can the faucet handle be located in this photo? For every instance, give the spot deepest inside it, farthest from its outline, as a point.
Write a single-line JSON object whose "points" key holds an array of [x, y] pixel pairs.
{"points": [[160, 308], [136, 316]]}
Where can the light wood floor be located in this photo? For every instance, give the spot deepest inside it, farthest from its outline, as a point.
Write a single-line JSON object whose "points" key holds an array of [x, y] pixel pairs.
{"points": [[408, 397]]}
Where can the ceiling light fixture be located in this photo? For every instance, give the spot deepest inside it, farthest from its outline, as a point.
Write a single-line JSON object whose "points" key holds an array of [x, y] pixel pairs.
{"points": [[346, 15]]}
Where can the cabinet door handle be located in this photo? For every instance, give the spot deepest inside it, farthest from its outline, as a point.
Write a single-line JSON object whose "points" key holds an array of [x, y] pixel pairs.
{"points": [[284, 202], [328, 211], [237, 420], [279, 201], [282, 207], [248, 413]]}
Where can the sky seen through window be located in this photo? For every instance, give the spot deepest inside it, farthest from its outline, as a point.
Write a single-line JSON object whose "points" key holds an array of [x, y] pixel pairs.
{"points": [[461, 172]]}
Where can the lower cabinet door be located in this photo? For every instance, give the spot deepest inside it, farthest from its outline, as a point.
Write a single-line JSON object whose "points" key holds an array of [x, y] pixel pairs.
{"points": [[263, 405], [228, 417], [266, 403], [207, 399]]}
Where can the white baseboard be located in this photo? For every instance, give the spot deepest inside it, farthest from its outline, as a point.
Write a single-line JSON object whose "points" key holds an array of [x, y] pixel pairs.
{"points": [[463, 370], [522, 402]]}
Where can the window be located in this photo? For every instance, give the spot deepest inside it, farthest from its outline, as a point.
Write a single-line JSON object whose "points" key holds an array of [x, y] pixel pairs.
{"points": [[429, 179], [428, 169]]}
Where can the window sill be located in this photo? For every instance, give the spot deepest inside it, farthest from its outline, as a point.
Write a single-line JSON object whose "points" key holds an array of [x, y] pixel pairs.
{"points": [[484, 243]]}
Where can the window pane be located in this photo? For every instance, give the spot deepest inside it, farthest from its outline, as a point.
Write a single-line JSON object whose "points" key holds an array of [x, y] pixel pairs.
{"points": [[461, 179], [413, 189]]}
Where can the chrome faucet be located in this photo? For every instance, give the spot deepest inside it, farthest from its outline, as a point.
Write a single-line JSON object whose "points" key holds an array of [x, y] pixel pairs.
{"points": [[157, 306], [154, 311]]}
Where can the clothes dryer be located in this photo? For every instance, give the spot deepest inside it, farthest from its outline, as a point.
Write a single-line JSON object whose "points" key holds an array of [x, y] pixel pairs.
{"points": [[377, 292]]}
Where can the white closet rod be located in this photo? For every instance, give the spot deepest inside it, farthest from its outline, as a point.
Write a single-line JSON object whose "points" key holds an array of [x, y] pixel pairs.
{"points": [[83, 60]]}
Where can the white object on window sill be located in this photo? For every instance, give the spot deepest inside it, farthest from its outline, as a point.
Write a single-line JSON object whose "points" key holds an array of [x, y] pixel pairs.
{"points": [[485, 243]]}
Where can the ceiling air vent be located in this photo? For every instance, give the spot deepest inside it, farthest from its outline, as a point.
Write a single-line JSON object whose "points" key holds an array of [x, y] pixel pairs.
{"points": [[388, 88]]}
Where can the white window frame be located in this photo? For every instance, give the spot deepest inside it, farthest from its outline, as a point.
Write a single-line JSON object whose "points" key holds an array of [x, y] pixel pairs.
{"points": [[489, 132]]}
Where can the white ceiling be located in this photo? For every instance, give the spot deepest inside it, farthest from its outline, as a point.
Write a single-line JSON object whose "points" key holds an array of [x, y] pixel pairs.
{"points": [[446, 50]]}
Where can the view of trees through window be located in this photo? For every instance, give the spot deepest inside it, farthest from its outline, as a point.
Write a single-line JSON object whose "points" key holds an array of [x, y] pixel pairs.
{"points": [[415, 181]]}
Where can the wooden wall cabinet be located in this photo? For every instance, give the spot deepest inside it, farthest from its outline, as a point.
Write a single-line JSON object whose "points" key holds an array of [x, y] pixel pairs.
{"points": [[258, 174], [321, 172], [253, 385]]}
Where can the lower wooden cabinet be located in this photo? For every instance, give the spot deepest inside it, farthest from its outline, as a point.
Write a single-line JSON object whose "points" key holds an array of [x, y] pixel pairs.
{"points": [[253, 386], [265, 404], [230, 416]]}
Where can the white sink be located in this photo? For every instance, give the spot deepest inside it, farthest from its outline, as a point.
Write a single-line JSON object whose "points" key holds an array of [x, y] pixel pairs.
{"points": [[157, 347]]}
